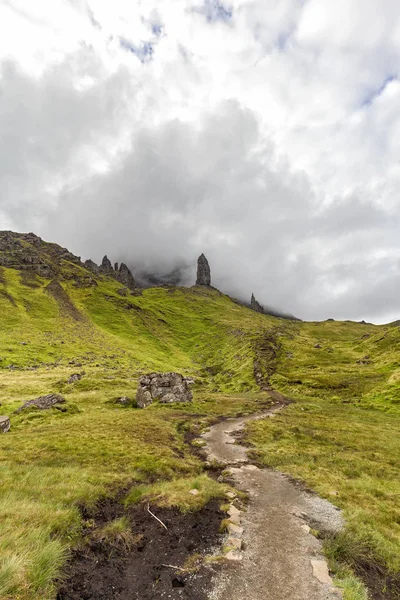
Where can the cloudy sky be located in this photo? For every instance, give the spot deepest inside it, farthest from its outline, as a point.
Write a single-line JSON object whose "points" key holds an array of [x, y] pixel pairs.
{"points": [[264, 133]]}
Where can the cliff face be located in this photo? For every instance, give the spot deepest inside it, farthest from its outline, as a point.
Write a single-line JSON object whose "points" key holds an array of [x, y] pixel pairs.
{"points": [[28, 253], [203, 271]]}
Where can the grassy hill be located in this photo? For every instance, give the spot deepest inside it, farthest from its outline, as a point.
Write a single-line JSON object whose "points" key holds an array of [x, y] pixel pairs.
{"points": [[340, 436]]}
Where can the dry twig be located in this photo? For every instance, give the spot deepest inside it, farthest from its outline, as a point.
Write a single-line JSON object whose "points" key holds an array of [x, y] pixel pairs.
{"points": [[157, 519]]}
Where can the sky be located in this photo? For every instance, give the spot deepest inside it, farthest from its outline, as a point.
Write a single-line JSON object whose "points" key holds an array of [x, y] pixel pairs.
{"points": [[264, 133]]}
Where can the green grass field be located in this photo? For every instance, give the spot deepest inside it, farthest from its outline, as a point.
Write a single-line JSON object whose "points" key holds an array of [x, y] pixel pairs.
{"points": [[340, 437]]}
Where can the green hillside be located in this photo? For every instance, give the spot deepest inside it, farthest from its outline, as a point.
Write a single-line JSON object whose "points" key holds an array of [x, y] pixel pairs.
{"points": [[340, 436]]}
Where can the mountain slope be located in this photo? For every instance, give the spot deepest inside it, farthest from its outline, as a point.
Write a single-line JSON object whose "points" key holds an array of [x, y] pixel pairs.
{"points": [[64, 318]]}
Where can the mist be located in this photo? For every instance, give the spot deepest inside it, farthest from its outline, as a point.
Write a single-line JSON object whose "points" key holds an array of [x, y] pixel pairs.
{"points": [[283, 171]]}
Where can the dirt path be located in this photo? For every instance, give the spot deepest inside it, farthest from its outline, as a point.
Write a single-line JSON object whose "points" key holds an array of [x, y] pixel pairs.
{"points": [[277, 556]]}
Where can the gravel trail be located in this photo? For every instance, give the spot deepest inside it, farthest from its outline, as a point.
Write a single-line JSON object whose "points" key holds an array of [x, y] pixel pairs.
{"points": [[275, 556]]}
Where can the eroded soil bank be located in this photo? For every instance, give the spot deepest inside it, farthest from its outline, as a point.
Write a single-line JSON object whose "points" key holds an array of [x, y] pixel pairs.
{"points": [[145, 571]]}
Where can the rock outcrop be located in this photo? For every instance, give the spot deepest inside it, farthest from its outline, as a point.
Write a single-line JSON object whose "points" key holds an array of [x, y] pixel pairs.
{"points": [[203, 271], [5, 424], [91, 265], [256, 306], [74, 377], [43, 402], [106, 266], [124, 275], [164, 387]]}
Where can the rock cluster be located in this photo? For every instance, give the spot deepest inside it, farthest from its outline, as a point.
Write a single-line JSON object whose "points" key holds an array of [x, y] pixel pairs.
{"points": [[74, 377], [256, 306], [203, 271], [43, 402], [122, 274], [4, 424], [164, 387]]}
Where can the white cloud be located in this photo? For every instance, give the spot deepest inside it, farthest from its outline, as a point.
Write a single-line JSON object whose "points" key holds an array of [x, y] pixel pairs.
{"points": [[264, 133]]}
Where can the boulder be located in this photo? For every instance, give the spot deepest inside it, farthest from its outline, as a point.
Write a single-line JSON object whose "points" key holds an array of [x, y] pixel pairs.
{"points": [[74, 377], [167, 388], [123, 401], [5, 424], [43, 402], [203, 271]]}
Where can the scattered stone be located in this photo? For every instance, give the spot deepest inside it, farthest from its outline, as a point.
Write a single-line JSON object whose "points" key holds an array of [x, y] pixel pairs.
{"points": [[194, 492], [317, 345], [231, 495], [256, 306], [234, 542], [364, 361], [5, 424], [123, 401], [235, 529], [251, 468], [306, 528], [74, 377], [235, 519], [43, 402], [122, 292], [233, 555], [300, 515], [203, 271], [167, 388], [233, 510], [320, 571]]}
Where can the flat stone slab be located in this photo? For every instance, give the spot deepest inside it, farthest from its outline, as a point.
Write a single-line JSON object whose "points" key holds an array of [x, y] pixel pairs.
{"points": [[320, 571]]}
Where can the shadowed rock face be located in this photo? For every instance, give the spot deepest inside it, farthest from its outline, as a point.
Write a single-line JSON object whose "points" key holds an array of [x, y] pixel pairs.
{"points": [[256, 306], [106, 266], [203, 271], [125, 276]]}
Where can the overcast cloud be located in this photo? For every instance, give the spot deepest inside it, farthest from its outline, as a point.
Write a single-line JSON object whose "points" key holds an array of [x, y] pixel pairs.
{"points": [[263, 133]]}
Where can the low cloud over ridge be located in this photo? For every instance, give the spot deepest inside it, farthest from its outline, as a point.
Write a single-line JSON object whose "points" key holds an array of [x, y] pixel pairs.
{"points": [[216, 144]]}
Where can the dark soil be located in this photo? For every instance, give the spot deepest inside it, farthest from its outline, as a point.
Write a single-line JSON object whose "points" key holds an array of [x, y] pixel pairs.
{"points": [[104, 571], [381, 586]]}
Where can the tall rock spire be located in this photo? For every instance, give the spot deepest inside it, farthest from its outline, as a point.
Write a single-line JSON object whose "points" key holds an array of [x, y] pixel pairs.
{"points": [[203, 271], [254, 305]]}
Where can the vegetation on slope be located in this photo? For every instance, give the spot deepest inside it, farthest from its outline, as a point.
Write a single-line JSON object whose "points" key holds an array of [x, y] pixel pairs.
{"points": [[339, 436]]}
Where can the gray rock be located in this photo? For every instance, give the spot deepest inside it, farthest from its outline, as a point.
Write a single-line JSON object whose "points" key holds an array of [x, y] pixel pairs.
{"points": [[125, 276], [256, 306], [43, 402], [167, 388], [123, 401], [203, 271], [106, 266], [91, 265], [5, 424], [143, 397], [74, 377]]}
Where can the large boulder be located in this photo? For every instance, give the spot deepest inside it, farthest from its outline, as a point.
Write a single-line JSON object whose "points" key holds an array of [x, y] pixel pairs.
{"points": [[4, 424], [43, 402], [167, 388], [203, 271]]}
